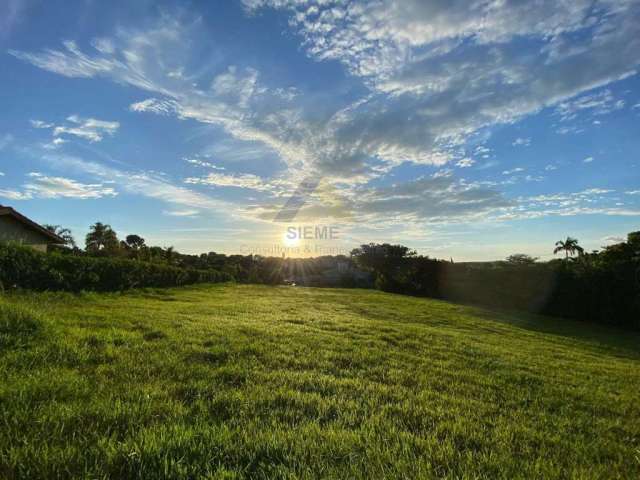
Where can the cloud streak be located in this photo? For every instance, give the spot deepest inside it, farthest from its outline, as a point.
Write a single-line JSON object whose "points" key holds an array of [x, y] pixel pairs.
{"points": [[433, 74], [49, 187], [142, 183], [90, 129], [245, 181], [439, 71]]}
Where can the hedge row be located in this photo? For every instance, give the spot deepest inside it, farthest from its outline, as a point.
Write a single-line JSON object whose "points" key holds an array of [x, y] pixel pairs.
{"points": [[602, 293], [24, 267]]}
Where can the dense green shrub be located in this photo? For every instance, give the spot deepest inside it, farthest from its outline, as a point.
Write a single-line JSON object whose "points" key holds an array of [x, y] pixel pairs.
{"points": [[603, 287], [598, 287], [593, 291], [597, 291], [522, 287], [24, 267]]}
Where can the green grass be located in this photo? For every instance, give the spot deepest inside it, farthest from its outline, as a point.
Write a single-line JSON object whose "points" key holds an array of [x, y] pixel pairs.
{"points": [[276, 382]]}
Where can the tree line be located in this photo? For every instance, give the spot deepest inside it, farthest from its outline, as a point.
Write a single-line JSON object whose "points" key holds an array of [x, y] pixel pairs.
{"points": [[601, 286], [102, 241]]}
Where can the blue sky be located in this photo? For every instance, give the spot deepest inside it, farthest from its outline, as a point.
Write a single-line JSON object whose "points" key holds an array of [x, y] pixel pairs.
{"points": [[470, 130]]}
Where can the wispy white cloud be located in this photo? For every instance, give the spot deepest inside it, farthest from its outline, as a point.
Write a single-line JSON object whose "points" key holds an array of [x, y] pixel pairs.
{"points": [[445, 200], [591, 201], [482, 150], [588, 160], [597, 104], [182, 213], [14, 194], [103, 45], [54, 144], [612, 239], [70, 62], [534, 178], [239, 87], [451, 67], [43, 186], [154, 105], [513, 170], [387, 125], [566, 130], [90, 129], [143, 183], [524, 142], [202, 163], [436, 199], [465, 162], [436, 74], [377, 38], [248, 181], [439, 199], [41, 124]]}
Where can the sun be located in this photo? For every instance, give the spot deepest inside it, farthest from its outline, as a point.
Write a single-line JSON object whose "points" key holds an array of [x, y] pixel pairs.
{"points": [[287, 241]]}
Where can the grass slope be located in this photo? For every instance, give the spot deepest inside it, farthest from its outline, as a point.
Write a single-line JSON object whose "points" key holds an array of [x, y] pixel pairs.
{"points": [[276, 382]]}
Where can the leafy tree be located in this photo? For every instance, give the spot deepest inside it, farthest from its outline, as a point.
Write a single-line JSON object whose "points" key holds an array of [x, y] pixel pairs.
{"points": [[64, 233], [633, 240], [135, 242], [135, 245], [101, 238], [569, 247], [155, 254], [521, 259], [170, 255], [381, 257], [628, 251], [385, 261]]}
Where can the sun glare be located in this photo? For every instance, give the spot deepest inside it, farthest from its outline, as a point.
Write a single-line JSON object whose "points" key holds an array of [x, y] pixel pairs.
{"points": [[287, 241]]}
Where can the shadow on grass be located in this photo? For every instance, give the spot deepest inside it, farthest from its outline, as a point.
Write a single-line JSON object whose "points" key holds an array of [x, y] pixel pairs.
{"points": [[610, 337], [607, 339]]}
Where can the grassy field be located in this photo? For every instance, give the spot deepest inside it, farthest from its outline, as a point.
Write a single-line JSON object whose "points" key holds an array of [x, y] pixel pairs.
{"points": [[279, 382]]}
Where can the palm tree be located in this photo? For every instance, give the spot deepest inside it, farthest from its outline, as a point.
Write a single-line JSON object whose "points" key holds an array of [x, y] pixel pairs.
{"points": [[101, 237], [64, 233], [569, 246]]}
